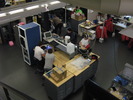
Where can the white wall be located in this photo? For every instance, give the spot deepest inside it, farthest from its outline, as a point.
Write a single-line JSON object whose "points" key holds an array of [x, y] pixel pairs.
{"points": [[92, 15]]}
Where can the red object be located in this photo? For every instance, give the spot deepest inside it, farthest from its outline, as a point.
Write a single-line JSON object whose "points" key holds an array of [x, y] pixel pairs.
{"points": [[109, 25], [124, 38], [21, 23], [88, 46], [99, 33], [130, 44]]}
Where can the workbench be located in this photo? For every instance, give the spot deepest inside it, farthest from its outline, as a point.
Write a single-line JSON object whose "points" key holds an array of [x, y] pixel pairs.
{"points": [[82, 28], [75, 77]]}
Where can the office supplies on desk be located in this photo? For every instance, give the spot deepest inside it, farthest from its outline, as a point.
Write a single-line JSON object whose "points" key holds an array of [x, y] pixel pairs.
{"points": [[81, 62]]}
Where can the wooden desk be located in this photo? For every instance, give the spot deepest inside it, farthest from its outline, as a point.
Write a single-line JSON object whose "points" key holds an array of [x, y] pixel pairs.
{"points": [[117, 94], [74, 80], [58, 91], [86, 28], [81, 75], [60, 58]]}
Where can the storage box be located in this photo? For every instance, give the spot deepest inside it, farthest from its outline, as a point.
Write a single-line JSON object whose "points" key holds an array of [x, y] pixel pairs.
{"points": [[79, 17], [59, 73]]}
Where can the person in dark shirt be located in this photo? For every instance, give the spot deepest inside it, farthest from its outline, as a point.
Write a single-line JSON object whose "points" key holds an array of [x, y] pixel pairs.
{"points": [[72, 35]]}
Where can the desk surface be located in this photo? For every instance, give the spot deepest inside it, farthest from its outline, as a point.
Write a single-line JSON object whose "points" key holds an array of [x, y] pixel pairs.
{"points": [[73, 69], [68, 76], [60, 58], [117, 94], [91, 26]]}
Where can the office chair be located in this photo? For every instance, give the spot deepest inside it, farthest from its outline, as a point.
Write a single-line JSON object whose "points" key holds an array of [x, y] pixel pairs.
{"points": [[84, 53]]}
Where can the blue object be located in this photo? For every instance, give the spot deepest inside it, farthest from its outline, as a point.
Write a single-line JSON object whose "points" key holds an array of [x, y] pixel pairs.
{"points": [[48, 47], [95, 21], [123, 81]]}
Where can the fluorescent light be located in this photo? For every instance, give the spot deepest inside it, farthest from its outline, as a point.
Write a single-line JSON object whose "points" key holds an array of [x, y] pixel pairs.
{"points": [[16, 11], [2, 14], [55, 2], [44, 5], [32, 7]]}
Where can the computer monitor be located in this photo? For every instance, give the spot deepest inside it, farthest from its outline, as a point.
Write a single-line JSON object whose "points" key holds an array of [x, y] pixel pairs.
{"points": [[47, 35], [128, 72]]}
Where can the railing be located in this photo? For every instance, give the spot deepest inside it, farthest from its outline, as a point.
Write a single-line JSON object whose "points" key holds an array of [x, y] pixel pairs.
{"points": [[8, 90]]}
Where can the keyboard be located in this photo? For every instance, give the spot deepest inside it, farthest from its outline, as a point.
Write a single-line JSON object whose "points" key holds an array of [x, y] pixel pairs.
{"points": [[54, 43]]}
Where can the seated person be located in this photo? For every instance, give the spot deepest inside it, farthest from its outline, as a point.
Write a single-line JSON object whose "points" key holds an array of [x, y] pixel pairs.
{"points": [[38, 55], [49, 60], [84, 43], [72, 35]]}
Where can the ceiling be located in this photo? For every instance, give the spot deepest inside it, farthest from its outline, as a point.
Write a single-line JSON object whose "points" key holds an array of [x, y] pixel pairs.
{"points": [[115, 7], [25, 13]]}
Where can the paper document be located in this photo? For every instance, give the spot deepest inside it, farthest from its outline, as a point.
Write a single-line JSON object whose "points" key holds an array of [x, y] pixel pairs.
{"points": [[80, 62]]}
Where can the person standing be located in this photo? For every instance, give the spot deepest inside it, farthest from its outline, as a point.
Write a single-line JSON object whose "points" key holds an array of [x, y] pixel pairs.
{"points": [[39, 56], [73, 36], [58, 24], [49, 60]]}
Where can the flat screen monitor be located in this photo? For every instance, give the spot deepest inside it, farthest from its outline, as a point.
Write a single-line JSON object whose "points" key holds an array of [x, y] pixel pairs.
{"points": [[47, 35], [128, 72]]}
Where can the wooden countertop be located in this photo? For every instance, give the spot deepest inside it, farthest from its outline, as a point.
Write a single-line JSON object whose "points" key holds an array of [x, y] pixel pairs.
{"points": [[69, 75], [91, 26], [61, 59], [73, 69], [117, 94]]}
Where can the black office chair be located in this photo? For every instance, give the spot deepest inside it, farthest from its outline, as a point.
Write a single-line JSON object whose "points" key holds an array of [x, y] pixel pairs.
{"points": [[85, 53]]}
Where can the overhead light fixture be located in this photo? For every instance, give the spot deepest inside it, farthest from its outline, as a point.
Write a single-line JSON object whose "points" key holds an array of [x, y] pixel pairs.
{"points": [[32, 7], [16, 11], [54, 2], [2, 14], [44, 5]]}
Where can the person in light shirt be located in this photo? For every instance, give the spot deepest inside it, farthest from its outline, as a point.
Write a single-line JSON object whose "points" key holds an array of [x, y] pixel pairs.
{"points": [[39, 56], [85, 42]]}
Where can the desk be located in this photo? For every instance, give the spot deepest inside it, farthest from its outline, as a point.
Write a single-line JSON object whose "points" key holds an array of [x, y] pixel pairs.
{"points": [[84, 28], [61, 46], [81, 75], [58, 91], [74, 80]]}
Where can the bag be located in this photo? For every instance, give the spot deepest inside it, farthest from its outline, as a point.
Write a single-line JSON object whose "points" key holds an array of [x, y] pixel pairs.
{"points": [[101, 40]]}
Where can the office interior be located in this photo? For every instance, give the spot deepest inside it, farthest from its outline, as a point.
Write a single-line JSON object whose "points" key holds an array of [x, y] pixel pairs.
{"points": [[114, 53]]}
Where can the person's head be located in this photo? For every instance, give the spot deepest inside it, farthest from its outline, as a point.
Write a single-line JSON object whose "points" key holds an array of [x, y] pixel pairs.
{"points": [[69, 30], [50, 51], [85, 36], [40, 43]]}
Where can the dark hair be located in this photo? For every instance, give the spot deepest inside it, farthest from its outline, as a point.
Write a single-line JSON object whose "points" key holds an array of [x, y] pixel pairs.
{"points": [[69, 29], [40, 43], [50, 50]]}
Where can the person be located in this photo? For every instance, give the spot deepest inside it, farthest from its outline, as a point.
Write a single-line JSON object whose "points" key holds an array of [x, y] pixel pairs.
{"points": [[109, 25], [58, 24], [72, 35], [85, 42], [49, 60], [38, 55]]}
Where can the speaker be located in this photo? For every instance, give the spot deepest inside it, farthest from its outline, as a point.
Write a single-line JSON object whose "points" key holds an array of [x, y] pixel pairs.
{"points": [[2, 3]]}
